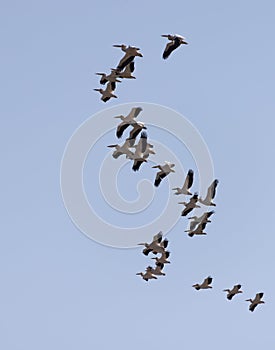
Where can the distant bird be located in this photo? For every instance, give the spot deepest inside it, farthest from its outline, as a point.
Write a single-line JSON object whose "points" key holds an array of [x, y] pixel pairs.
{"points": [[155, 271], [127, 72], [112, 78], [201, 219], [120, 150], [197, 231], [163, 259], [175, 41], [205, 284], [137, 128], [165, 170], [156, 246], [148, 275], [187, 184], [138, 156], [256, 301], [130, 53], [231, 292], [127, 121], [190, 205], [211, 192], [107, 93]]}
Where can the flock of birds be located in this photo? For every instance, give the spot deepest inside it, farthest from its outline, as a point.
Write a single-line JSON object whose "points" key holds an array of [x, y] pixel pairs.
{"points": [[139, 153]]}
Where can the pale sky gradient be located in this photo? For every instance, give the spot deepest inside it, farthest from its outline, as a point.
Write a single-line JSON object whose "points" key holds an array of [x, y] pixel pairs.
{"points": [[61, 290]]}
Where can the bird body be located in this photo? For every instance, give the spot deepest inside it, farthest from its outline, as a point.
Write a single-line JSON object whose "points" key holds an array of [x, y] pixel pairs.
{"points": [[127, 72], [205, 284], [107, 93], [190, 205], [165, 170], [187, 184], [112, 78], [156, 271], [211, 192], [127, 121], [175, 41], [231, 292], [197, 231], [130, 53], [140, 148], [201, 219], [120, 150], [256, 301], [148, 275]]}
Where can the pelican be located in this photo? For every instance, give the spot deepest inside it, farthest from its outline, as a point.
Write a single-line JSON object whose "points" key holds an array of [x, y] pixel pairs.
{"points": [[112, 78], [165, 170], [175, 41], [197, 231], [163, 259], [201, 219], [205, 284], [231, 292], [257, 300], [126, 121], [127, 72], [187, 184], [156, 246], [148, 275], [138, 156], [211, 192], [130, 53], [120, 150], [190, 205], [107, 93], [137, 128], [155, 271]]}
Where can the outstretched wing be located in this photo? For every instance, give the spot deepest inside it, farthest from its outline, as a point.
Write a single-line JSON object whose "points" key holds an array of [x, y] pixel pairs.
{"points": [[159, 177], [189, 179], [120, 129], [169, 48]]}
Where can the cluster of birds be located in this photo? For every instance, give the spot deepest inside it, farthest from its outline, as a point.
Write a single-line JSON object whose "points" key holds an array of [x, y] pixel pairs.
{"points": [[231, 292], [157, 246], [126, 65], [124, 70], [140, 152]]}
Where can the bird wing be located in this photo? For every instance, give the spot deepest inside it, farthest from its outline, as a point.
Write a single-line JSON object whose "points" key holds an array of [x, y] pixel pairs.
{"points": [[120, 129], [211, 192], [259, 296], [132, 66], [143, 140], [126, 59], [103, 80], [169, 48], [159, 177], [186, 211], [189, 179], [135, 131], [105, 99], [116, 154], [137, 164], [209, 280]]}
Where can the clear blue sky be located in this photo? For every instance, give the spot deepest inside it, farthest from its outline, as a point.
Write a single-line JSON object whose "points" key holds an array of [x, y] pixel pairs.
{"points": [[61, 290]]}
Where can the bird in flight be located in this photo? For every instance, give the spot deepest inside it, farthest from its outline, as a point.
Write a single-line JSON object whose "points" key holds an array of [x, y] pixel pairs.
{"points": [[175, 41]]}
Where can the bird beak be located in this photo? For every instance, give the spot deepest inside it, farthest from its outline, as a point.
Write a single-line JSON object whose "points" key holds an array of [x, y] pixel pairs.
{"points": [[117, 45], [117, 116], [164, 35], [184, 42], [111, 146], [96, 89]]}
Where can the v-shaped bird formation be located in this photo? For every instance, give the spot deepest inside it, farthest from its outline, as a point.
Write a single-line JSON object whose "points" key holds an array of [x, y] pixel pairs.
{"points": [[137, 148]]}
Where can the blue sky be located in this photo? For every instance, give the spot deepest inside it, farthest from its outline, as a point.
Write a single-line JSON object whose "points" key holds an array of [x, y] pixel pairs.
{"points": [[61, 290]]}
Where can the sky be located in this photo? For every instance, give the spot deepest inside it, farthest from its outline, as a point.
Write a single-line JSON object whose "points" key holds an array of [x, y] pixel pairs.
{"points": [[61, 289]]}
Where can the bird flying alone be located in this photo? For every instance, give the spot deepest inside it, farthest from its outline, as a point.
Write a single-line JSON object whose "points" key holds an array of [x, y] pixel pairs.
{"points": [[175, 41]]}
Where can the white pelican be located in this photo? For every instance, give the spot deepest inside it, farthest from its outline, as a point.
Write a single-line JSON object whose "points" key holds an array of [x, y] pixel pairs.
{"points": [[130, 53], [120, 150], [148, 275], [112, 78], [163, 259], [190, 205], [187, 184], [155, 271], [211, 192], [138, 156], [156, 246], [127, 72], [128, 120], [231, 292], [201, 219], [137, 128], [257, 300], [165, 170], [107, 93], [175, 41], [198, 230], [205, 284]]}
